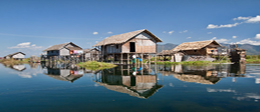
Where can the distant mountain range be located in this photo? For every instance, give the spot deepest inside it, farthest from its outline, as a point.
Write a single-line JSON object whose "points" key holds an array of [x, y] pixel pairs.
{"points": [[251, 49]]}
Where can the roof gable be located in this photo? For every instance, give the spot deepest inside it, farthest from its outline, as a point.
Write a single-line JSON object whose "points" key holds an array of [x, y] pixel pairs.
{"points": [[195, 45], [60, 46], [121, 38], [10, 55]]}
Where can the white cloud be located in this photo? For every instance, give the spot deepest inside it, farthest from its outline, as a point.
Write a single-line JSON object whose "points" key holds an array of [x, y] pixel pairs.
{"points": [[170, 32], [211, 26], [234, 37], [221, 90], [209, 32], [25, 45], [254, 96], [95, 33], [188, 37], [170, 84], [257, 36], [109, 32], [183, 31], [249, 41], [222, 40], [214, 38], [242, 18], [254, 19]]}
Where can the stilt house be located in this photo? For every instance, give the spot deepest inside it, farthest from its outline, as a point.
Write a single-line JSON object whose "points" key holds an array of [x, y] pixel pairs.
{"points": [[238, 55], [16, 56], [91, 54], [120, 47], [65, 49], [197, 51], [208, 47]]}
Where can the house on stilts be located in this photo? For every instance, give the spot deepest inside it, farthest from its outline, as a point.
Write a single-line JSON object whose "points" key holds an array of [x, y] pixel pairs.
{"points": [[237, 55], [193, 51], [141, 43], [67, 51], [92, 54], [16, 56]]}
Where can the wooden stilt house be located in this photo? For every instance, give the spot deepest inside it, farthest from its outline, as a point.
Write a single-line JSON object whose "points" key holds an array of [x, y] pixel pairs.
{"points": [[195, 51], [64, 51], [120, 47], [91, 54], [16, 56]]}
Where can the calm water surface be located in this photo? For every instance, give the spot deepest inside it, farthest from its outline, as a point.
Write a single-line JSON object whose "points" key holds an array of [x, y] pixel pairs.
{"points": [[41, 88]]}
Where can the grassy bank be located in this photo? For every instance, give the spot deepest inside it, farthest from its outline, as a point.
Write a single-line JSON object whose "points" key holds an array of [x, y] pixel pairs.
{"points": [[94, 65], [14, 62], [253, 59]]}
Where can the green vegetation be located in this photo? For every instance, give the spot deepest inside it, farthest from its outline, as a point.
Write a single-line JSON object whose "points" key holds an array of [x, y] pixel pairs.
{"points": [[14, 62], [94, 65], [253, 59]]}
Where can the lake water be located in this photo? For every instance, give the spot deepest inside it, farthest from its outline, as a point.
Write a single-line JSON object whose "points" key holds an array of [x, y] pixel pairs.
{"points": [[152, 88]]}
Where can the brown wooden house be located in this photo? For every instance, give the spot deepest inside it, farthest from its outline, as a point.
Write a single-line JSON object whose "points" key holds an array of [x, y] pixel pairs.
{"points": [[91, 54], [208, 47], [65, 49], [122, 46]]}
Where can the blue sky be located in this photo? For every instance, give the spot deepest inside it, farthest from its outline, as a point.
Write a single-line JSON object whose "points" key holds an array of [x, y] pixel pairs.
{"points": [[31, 26]]}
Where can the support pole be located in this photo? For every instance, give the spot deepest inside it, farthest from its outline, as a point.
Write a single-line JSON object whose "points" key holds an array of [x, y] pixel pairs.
{"points": [[113, 58], [127, 58], [121, 60], [149, 59]]}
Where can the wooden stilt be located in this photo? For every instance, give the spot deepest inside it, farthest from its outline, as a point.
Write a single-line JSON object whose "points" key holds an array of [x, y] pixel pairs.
{"points": [[127, 58], [114, 58], [149, 56], [121, 58]]}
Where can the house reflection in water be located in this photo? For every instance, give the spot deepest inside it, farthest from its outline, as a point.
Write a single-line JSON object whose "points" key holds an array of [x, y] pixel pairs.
{"points": [[126, 79], [19, 68], [64, 73], [209, 74]]}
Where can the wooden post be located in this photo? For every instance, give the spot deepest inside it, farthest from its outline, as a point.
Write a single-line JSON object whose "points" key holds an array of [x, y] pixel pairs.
{"points": [[113, 58], [155, 58], [121, 58], [149, 56], [142, 57], [122, 72], [127, 58]]}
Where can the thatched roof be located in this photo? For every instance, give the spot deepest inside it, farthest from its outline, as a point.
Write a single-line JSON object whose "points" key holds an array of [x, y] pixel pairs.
{"points": [[240, 49], [166, 53], [195, 45], [60, 46], [196, 78], [91, 50], [121, 38]]}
